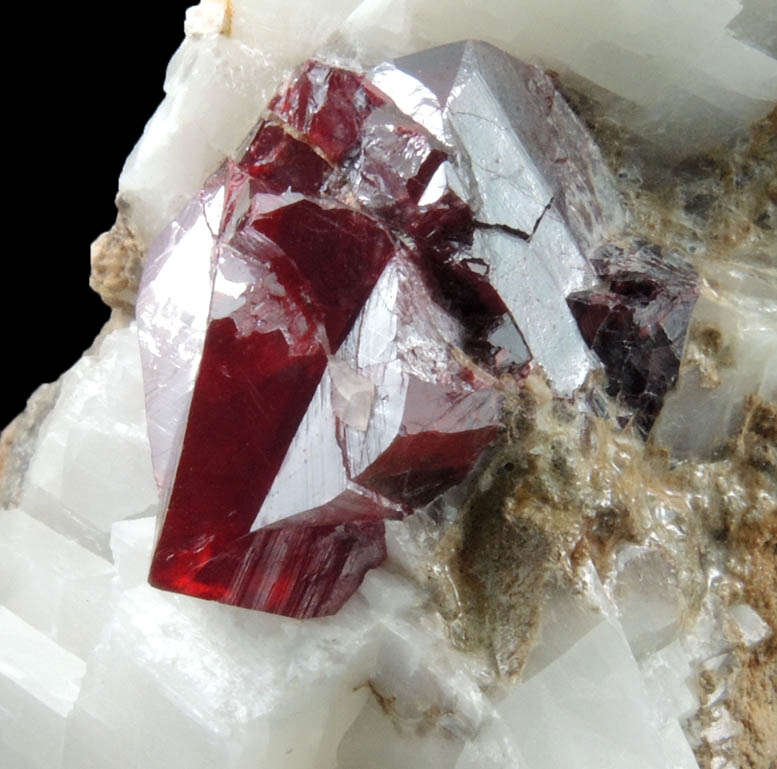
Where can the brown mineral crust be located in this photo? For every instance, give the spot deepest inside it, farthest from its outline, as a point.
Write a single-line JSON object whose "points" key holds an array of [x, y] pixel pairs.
{"points": [[760, 438], [567, 487], [563, 488], [496, 564], [601, 534], [502, 570], [753, 543], [754, 705], [6, 444], [117, 262], [226, 27]]}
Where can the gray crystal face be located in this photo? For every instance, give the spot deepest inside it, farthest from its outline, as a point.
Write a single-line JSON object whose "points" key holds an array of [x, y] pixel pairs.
{"points": [[520, 141], [533, 278], [540, 195]]}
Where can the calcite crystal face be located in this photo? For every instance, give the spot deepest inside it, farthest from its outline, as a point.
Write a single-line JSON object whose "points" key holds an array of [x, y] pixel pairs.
{"points": [[330, 328]]}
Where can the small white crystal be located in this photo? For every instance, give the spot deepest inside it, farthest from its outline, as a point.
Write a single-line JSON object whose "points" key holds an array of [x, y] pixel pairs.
{"points": [[667, 674], [752, 628], [722, 728], [352, 394], [132, 543]]}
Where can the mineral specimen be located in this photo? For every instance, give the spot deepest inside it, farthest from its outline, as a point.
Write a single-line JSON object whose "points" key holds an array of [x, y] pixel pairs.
{"points": [[637, 327], [574, 587], [378, 235]]}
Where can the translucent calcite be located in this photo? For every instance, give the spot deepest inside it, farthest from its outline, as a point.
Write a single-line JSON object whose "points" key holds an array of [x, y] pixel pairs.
{"points": [[329, 327]]}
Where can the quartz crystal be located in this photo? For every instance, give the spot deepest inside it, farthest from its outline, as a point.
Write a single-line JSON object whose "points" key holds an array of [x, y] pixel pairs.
{"points": [[346, 282]]}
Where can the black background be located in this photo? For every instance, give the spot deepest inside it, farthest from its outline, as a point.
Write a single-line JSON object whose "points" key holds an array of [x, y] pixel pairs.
{"points": [[80, 86]]}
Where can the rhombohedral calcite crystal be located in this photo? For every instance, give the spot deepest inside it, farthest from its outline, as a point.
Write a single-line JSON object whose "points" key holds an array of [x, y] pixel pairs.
{"points": [[330, 328]]}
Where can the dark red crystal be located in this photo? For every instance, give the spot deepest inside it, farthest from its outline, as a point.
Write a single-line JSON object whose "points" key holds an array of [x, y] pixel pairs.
{"points": [[306, 264], [279, 162], [328, 105], [637, 323], [333, 258], [376, 274]]}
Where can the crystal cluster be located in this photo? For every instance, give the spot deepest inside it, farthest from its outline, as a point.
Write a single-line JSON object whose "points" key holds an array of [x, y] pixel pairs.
{"points": [[585, 597], [336, 317]]}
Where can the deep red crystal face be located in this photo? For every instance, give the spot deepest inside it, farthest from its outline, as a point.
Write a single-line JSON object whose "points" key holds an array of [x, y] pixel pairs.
{"points": [[334, 259], [296, 263], [279, 162], [637, 324], [328, 106], [380, 264]]}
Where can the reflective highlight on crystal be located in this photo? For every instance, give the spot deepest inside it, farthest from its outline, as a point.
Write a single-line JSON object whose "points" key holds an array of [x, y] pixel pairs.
{"points": [[390, 254], [637, 323]]}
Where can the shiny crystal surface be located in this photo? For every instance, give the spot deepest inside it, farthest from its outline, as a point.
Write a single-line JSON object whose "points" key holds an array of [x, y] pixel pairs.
{"points": [[637, 323], [330, 327]]}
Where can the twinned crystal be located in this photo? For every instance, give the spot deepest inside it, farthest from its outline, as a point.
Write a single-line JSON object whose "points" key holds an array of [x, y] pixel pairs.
{"points": [[340, 313]]}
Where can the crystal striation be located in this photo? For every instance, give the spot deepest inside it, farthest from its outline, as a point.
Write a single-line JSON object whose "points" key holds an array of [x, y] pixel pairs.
{"points": [[330, 327]]}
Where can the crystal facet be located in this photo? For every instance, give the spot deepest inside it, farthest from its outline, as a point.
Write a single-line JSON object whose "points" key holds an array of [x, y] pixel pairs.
{"points": [[637, 323], [391, 251]]}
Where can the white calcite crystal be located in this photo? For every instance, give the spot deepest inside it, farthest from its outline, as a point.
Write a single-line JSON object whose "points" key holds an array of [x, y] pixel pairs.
{"points": [[98, 670], [39, 684], [676, 67], [53, 583]]}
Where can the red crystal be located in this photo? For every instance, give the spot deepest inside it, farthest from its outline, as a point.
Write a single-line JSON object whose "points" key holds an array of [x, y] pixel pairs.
{"points": [[334, 258], [637, 323], [328, 106], [279, 162], [294, 269], [377, 269]]}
